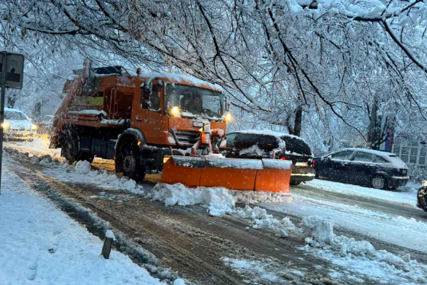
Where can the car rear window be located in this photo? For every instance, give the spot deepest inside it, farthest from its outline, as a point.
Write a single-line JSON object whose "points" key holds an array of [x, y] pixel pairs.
{"points": [[295, 145], [379, 159], [343, 155], [363, 157], [243, 141]]}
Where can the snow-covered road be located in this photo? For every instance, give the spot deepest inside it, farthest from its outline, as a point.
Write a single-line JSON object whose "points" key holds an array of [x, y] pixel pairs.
{"points": [[366, 222]]}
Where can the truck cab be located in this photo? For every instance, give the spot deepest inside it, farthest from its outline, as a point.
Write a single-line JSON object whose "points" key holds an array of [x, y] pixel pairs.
{"points": [[171, 112]]}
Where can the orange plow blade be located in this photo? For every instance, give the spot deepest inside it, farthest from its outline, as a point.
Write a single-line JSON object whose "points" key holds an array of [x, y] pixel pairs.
{"points": [[237, 174]]}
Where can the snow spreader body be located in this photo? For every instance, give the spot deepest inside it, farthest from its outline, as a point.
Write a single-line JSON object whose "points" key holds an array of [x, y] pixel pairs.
{"points": [[156, 123]]}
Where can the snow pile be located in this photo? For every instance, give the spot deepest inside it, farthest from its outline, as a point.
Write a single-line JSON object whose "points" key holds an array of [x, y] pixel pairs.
{"points": [[179, 281], [83, 167], [81, 171], [110, 234], [260, 219], [360, 256], [35, 160], [320, 229], [252, 197], [217, 200], [253, 150]]}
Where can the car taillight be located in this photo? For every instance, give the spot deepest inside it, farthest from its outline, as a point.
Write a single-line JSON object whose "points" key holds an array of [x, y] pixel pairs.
{"points": [[312, 165], [282, 158]]}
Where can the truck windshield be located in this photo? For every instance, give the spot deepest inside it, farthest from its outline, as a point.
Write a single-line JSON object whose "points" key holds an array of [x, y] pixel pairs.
{"points": [[195, 102]]}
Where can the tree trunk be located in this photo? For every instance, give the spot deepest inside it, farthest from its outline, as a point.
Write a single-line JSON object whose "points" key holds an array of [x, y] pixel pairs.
{"points": [[298, 122]]}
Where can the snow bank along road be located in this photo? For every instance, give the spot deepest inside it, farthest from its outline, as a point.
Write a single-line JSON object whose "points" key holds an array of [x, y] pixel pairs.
{"points": [[281, 245]]}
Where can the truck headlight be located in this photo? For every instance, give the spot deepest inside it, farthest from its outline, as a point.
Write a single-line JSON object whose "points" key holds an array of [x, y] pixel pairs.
{"points": [[5, 126], [175, 111], [228, 117], [34, 127]]}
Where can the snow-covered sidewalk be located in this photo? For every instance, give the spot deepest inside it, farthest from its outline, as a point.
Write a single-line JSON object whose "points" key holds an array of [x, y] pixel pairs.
{"points": [[406, 195], [40, 244]]}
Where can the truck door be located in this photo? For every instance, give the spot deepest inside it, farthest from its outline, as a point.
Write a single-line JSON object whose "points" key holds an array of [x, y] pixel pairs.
{"points": [[148, 115]]}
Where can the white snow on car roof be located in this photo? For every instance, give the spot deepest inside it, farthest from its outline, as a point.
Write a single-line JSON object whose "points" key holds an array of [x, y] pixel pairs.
{"points": [[268, 133], [13, 110], [181, 78], [391, 157], [377, 152]]}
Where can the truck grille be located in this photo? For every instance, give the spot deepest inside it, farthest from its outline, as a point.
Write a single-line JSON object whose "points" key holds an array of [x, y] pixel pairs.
{"points": [[187, 138]]}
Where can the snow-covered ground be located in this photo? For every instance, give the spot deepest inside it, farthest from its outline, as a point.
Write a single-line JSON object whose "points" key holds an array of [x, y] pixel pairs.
{"points": [[357, 258], [403, 195], [393, 229], [40, 244], [40, 146]]}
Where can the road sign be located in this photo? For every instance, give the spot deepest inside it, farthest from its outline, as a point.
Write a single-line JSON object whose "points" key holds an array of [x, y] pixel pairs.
{"points": [[12, 76], [15, 69]]}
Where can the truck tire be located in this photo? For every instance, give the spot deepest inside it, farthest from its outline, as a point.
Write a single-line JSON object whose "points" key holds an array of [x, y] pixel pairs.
{"points": [[131, 163], [71, 148]]}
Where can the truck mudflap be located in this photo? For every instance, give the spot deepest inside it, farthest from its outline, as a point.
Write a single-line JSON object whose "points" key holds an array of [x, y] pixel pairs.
{"points": [[238, 174]]}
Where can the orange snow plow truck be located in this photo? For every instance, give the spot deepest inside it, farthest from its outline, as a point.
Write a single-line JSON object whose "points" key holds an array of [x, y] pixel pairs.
{"points": [[155, 123]]}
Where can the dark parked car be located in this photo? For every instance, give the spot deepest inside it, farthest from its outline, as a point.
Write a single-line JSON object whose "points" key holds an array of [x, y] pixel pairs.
{"points": [[378, 169], [266, 144]]}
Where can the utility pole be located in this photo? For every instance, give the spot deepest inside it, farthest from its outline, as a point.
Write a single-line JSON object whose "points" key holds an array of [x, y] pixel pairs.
{"points": [[3, 98], [12, 74]]}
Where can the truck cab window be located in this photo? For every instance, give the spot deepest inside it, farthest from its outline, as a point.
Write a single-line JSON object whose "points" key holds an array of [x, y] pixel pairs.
{"points": [[154, 102], [150, 98]]}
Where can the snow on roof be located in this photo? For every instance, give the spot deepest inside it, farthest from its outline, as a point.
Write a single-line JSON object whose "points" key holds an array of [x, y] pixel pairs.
{"points": [[377, 152], [182, 78], [268, 133]]}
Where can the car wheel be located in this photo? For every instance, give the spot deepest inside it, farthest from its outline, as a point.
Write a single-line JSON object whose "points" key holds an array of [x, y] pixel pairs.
{"points": [[295, 183], [131, 164], [378, 182]]}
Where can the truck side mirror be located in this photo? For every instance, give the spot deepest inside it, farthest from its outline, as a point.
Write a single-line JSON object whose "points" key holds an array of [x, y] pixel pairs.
{"points": [[227, 104], [145, 95]]}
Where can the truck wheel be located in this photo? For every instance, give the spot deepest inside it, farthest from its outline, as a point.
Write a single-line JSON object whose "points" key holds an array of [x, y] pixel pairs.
{"points": [[131, 163], [70, 147], [378, 182]]}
